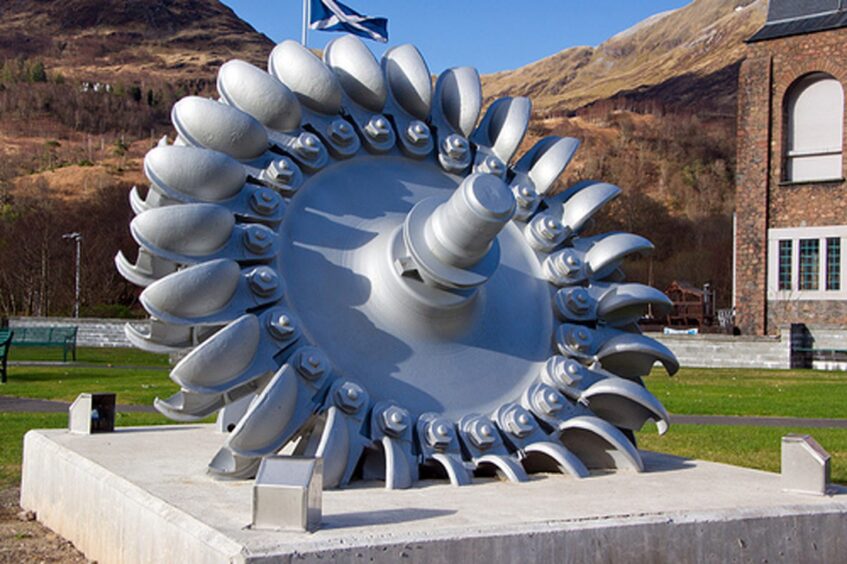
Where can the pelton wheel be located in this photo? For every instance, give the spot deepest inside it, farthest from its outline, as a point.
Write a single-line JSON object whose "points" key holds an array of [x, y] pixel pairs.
{"points": [[363, 272]]}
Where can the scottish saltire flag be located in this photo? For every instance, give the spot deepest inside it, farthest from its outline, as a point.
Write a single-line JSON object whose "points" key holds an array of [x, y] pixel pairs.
{"points": [[331, 15]]}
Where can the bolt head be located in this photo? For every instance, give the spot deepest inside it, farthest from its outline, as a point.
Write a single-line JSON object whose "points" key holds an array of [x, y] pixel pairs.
{"points": [[378, 129], [525, 195], [394, 420], [308, 146], [481, 433], [518, 421], [492, 165], [265, 201], [578, 301], [417, 133], [258, 239], [569, 264], [264, 281], [341, 132], [564, 372], [281, 170], [350, 397], [456, 147], [281, 326], [548, 400], [550, 228], [439, 433], [311, 363], [580, 339]]}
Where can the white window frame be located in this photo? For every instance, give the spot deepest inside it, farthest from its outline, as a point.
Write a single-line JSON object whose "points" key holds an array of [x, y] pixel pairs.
{"points": [[795, 234], [792, 154]]}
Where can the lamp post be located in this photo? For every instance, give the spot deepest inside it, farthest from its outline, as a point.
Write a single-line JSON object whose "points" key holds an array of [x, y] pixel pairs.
{"points": [[78, 239]]}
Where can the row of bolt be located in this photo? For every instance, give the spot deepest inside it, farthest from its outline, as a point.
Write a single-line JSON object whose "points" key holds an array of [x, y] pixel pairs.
{"points": [[340, 132]]}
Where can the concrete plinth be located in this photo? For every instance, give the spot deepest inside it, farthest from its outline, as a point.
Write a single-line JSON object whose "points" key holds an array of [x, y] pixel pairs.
{"points": [[142, 495]]}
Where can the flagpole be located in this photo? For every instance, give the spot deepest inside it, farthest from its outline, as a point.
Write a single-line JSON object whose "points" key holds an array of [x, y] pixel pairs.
{"points": [[305, 21]]}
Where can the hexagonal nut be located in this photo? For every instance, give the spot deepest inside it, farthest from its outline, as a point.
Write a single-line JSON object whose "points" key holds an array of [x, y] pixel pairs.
{"points": [[564, 372], [341, 132], [439, 433], [264, 281], [481, 432], [281, 326], [308, 146], [456, 147], [492, 165], [311, 363], [549, 227], [378, 128], [265, 201], [350, 397], [580, 339], [578, 300], [518, 421], [281, 170], [258, 239], [394, 420], [568, 264], [547, 400], [525, 195], [417, 132]]}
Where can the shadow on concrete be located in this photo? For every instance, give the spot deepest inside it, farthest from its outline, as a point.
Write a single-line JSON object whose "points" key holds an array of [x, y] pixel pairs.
{"points": [[381, 517], [655, 462]]}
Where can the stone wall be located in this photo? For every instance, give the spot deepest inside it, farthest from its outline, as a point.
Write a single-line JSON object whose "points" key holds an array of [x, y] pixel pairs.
{"points": [[780, 351], [91, 333], [803, 311], [727, 351], [763, 199]]}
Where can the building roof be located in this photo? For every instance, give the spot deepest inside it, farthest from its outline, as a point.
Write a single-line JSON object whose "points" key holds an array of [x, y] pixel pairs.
{"points": [[798, 17]]}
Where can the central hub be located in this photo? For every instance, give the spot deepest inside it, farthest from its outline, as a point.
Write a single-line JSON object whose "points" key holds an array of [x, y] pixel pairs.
{"points": [[394, 333], [453, 245]]}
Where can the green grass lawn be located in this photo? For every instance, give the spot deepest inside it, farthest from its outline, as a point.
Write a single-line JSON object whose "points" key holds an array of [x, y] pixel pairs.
{"points": [[753, 447], [132, 386], [91, 355], [694, 391], [732, 391]]}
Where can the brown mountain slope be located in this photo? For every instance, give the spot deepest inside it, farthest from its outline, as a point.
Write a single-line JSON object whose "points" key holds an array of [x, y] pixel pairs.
{"points": [[98, 38], [696, 42]]}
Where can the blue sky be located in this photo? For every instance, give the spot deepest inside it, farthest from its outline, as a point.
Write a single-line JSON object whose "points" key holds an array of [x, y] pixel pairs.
{"points": [[490, 35]]}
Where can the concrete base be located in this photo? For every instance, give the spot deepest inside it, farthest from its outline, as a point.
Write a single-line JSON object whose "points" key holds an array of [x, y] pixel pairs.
{"points": [[142, 495]]}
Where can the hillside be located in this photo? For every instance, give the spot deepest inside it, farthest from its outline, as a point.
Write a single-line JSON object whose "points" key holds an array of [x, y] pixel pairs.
{"points": [[86, 88], [98, 39], [675, 57]]}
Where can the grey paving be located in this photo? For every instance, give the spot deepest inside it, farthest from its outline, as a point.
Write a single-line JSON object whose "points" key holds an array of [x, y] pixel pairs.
{"points": [[153, 486]]}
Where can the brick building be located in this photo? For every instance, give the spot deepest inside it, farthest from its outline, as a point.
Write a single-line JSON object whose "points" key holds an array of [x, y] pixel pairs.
{"points": [[791, 196]]}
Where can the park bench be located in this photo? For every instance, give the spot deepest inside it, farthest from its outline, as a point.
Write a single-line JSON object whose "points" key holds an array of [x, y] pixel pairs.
{"points": [[5, 343], [55, 336]]}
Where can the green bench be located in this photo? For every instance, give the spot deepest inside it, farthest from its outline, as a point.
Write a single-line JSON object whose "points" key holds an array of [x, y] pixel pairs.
{"points": [[5, 343], [56, 336]]}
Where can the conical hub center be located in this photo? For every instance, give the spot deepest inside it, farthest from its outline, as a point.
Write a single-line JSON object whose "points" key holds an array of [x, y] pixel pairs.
{"points": [[453, 245]]}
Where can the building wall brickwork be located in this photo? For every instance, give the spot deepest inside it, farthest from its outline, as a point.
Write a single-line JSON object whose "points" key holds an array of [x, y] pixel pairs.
{"points": [[763, 199], [804, 311], [751, 200]]}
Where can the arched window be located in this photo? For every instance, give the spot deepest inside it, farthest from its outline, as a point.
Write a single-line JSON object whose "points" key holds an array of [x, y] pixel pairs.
{"points": [[814, 122]]}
